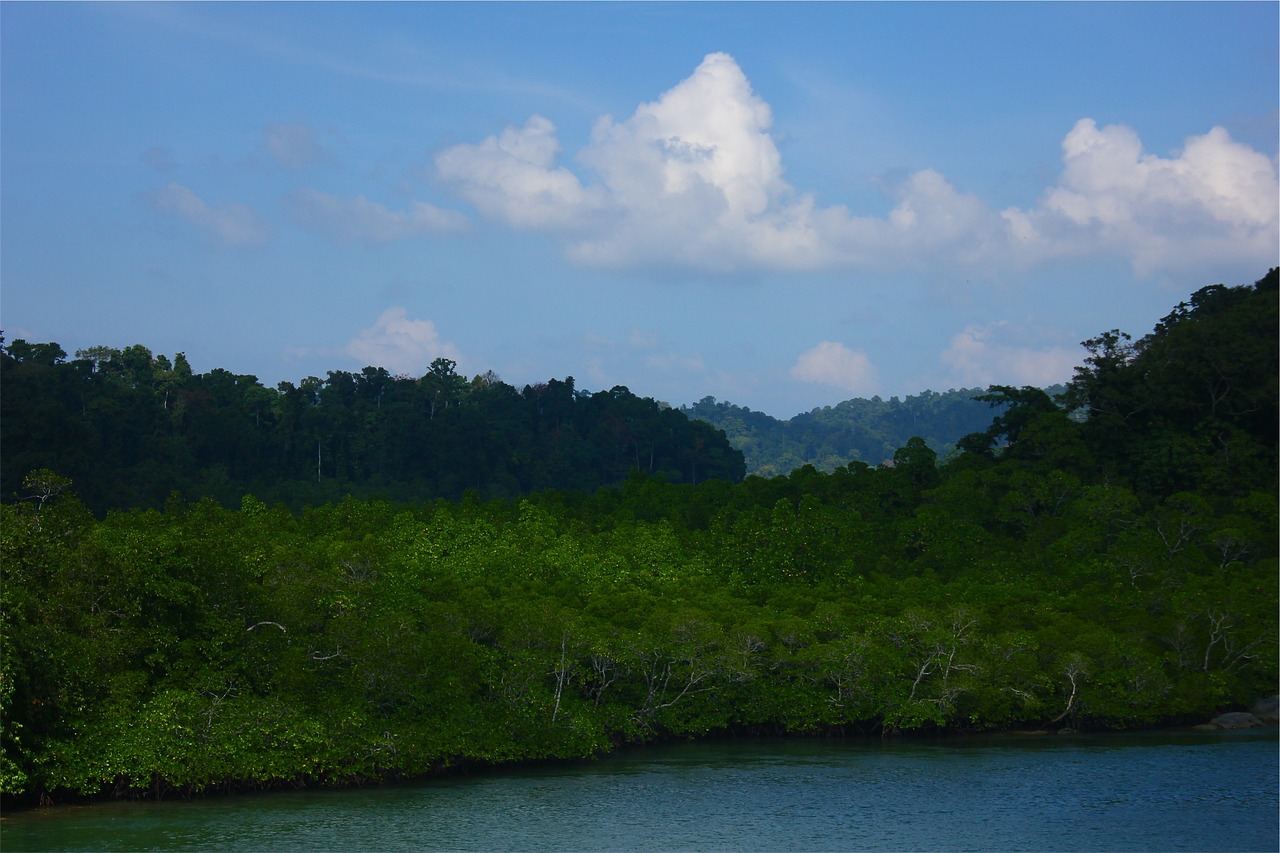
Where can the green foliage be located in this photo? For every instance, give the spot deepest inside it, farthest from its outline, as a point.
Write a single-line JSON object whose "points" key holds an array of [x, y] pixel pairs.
{"points": [[1191, 406], [1043, 578], [830, 437], [131, 428]]}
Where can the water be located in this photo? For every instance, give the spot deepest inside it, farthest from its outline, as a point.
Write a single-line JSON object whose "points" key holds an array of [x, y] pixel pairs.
{"points": [[1151, 791]]}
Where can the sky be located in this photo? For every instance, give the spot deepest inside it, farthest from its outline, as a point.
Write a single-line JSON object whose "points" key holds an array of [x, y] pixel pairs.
{"points": [[781, 206]]}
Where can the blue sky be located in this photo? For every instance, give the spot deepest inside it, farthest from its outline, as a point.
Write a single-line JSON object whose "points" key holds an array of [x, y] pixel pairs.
{"points": [[779, 205]]}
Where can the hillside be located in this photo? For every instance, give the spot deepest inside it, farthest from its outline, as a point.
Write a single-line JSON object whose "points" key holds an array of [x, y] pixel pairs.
{"points": [[130, 429], [855, 430], [1106, 560]]}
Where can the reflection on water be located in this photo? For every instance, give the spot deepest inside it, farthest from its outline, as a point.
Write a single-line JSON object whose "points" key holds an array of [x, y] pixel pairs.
{"points": [[1151, 791]]}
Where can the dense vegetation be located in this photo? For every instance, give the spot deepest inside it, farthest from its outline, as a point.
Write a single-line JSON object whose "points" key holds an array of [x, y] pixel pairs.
{"points": [[1106, 560], [859, 429], [133, 427], [130, 428]]}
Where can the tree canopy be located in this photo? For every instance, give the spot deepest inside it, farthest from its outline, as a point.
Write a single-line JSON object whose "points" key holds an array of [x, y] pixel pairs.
{"points": [[131, 428], [859, 429], [1106, 559]]}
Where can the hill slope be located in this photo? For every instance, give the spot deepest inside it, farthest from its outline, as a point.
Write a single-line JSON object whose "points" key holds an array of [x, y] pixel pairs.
{"points": [[130, 428], [869, 431]]}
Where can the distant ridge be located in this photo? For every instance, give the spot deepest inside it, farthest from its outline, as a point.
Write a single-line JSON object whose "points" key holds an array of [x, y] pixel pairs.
{"points": [[866, 430]]}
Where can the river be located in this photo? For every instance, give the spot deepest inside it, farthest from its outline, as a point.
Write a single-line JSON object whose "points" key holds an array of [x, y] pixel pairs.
{"points": [[1169, 790]]}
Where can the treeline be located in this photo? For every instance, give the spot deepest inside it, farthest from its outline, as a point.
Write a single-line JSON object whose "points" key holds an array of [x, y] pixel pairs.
{"points": [[858, 429], [1057, 572], [131, 428]]}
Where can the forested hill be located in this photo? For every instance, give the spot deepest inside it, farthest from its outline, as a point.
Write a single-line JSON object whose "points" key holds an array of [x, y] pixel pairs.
{"points": [[860, 429], [130, 428], [1103, 560]]}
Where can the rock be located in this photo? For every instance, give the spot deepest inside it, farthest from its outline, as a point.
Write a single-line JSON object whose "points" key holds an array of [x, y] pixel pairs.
{"points": [[1236, 720], [1267, 710]]}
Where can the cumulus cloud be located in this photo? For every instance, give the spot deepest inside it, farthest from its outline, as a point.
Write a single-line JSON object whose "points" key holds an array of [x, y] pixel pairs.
{"points": [[293, 146], [231, 224], [695, 180], [1216, 199], [400, 344], [834, 364], [361, 220], [982, 355], [513, 177], [692, 179]]}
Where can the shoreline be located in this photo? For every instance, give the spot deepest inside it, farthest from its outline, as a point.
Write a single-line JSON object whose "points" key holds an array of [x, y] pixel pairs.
{"points": [[10, 805]]}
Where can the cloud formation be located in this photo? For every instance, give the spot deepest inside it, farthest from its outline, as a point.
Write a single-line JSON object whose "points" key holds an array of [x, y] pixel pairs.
{"points": [[692, 179], [834, 364], [231, 224], [361, 220], [695, 180], [400, 344], [513, 178], [976, 356], [1214, 199]]}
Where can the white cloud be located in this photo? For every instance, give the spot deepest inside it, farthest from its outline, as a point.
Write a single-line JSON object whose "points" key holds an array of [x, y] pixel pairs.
{"points": [[513, 177], [401, 345], [979, 355], [231, 224], [293, 146], [932, 222], [836, 365], [361, 220], [695, 180], [1217, 199], [692, 179]]}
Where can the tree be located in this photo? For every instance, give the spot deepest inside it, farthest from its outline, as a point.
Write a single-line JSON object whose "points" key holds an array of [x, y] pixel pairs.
{"points": [[441, 384], [98, 356], [49, 355], [1098, 386], [1192, 404], [43, 486], [916, 462], [1021, 406]]}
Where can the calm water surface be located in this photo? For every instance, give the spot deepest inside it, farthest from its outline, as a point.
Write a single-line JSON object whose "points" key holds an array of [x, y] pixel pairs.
{"points": [[1150, 791]]}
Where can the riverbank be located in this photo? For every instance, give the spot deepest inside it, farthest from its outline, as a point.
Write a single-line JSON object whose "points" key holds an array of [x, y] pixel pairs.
{"points": [[1261, 714], [1150, 790]]}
